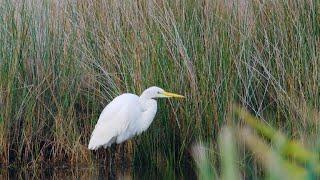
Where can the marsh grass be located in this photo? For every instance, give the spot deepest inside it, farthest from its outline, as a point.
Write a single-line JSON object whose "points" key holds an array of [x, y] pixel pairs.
{"points": [[61, 62]]}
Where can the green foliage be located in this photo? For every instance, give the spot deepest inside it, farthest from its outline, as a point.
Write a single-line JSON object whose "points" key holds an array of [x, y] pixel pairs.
{"points": [[298, 163]]}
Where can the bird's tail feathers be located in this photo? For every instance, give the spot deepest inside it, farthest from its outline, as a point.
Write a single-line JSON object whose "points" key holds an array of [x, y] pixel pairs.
{"points": [[99, 138]]}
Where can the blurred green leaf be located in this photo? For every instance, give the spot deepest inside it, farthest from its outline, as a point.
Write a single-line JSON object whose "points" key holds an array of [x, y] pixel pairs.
{"points": [[269, 158], [228, 155], [287, 147], [202, 158]]}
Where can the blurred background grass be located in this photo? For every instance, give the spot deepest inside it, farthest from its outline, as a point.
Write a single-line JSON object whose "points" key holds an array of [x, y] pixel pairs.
{"points": [[61, 62]]}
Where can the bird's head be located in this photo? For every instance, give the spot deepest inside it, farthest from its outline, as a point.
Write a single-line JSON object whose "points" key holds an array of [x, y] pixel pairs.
{"points": [[156, 92]]}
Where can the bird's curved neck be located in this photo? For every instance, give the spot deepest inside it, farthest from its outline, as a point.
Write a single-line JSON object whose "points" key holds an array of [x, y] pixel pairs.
{"points": [[147, 103], [149, 111], [145, 96]]}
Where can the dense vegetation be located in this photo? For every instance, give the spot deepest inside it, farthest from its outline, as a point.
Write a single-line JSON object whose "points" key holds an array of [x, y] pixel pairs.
{"points": [[61, 62]]}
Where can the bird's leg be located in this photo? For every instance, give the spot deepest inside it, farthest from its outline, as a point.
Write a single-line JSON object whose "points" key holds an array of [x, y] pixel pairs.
{"points": [[123, 157], [126, 156], [112, 165], [118, 157], [129, 153]]}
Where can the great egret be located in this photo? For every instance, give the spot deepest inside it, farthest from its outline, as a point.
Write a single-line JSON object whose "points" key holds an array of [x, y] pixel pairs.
{"points": [[126, 116]]}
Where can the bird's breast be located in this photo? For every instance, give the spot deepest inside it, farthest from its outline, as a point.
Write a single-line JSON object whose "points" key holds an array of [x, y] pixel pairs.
{"points": [[148, 114]]}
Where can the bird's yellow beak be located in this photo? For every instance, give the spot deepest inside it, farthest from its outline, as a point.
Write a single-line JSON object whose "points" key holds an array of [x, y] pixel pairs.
{"points": [[168, 94]]}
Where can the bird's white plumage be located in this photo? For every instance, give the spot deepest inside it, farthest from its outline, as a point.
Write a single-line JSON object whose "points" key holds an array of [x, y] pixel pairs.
{"points": [[125, 116], [115, 120]]}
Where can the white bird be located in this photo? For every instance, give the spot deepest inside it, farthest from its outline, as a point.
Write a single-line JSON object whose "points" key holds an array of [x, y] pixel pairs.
{"points": [[126, 116]]}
